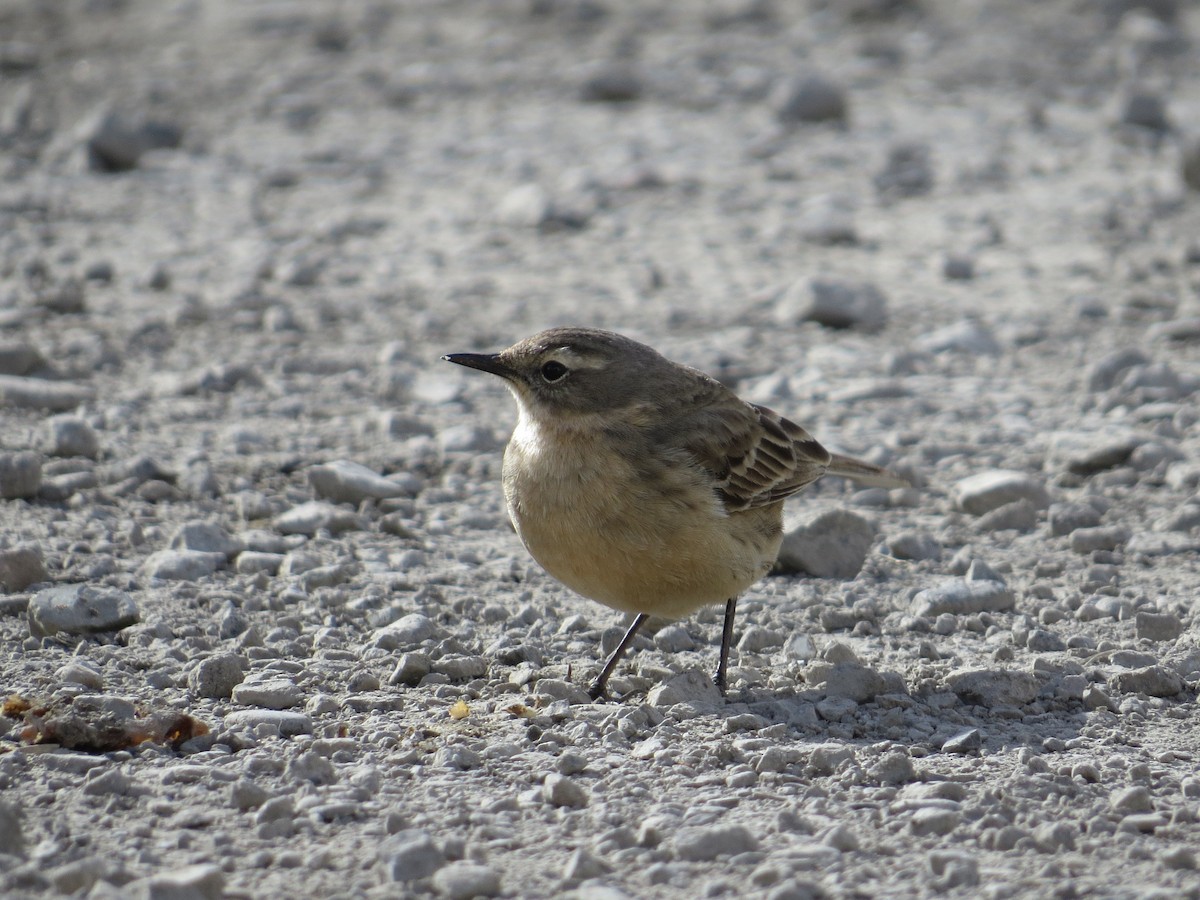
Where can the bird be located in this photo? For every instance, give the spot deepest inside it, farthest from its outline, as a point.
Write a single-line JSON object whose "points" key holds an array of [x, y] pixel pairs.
{"points": [[645, 484]]}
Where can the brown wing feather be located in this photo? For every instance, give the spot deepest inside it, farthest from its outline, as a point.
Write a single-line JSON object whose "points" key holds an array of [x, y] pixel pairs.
{"points": [[755, 455]]}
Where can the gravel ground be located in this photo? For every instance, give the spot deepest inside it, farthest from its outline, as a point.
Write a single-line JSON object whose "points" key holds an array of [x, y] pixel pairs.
{"points": [[265, 628]]}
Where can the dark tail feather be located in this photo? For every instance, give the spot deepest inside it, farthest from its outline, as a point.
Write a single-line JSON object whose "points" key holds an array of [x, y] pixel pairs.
{"points": [[864, 472]]}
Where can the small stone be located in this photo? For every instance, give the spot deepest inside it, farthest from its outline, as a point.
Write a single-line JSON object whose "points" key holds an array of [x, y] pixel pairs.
{"points": [[895, 768], [583, 865], [343, 481], [913, 545], [525, 206], [706, 843], [1134, 799], [457, 756], [908, 172], [216, 676], [1101, 537], [80, 609], [1065, 518], [965, 743], [1155, 681], [1088, 454], [312, 767], [410, 669], [407, 632], [68, 435], [756, 639], [206, 537], [20, 475], [559, 790], [461, 668], [674, 639], [81, 671], [107, 781], [18, 358], [250, 562], [1180, 858], [245, 794], [968, 336], [268, 691], [828, 544], [809, 99], [463, 880], [613, 83], [410, 855], [855, 681], [182, 565], [953, 869], [1190, 164], [116, 142], [958, 597], [1143, 109], [957, 267], [993, 687], [1042, 641], [20, 567], [934, 820], [316, 515], [1151, 626], [825, 759], [1020, 515], [834, 303], [692, 686], [286, 723], [1053, 837], [986, 491], [38, 393]]}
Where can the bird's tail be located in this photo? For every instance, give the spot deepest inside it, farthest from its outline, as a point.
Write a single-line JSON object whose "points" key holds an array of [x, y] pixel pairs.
{"points": [[864, 472]]}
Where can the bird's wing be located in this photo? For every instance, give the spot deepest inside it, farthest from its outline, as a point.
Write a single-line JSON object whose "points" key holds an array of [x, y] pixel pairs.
{"points": [[755, 456]]}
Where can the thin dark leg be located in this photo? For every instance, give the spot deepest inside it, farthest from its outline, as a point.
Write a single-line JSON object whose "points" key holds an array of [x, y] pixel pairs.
{"points": [[726, 643], [597, 690]]}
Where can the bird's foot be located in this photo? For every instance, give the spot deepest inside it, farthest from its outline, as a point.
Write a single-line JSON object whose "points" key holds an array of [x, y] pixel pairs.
{"points": [[599, 692], [721, 682]]}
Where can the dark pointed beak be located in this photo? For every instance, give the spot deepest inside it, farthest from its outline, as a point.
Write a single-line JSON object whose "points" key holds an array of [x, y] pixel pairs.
{"points": [[484, 362]]}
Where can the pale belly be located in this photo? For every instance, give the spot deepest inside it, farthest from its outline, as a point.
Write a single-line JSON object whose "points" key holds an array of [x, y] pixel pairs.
{"points": [[664, 547]]}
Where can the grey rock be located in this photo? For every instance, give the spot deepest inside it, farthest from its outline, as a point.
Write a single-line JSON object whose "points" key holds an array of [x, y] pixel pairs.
{"points": [[908, 172], [993, 687], [102, 781], [461, 668], [343, 481], [12, 837], [827, 544], [914, 545], [674, 639], [978, 570], [560, 790], [116, 141], [809, 99], [80, 609], [18, 358], [216, 676], [1042, 641], [825, 759], [245, 794], [525, 206], [1100, 537], [68, 435], [410, 855], [854, 681], [312, 767], [958, 267], [250, 562], [1152, 626], [316, 515], [36, 393], [1156, 681], [985, 491], [1065, 518], [706, 843], [1087, 454], [20, 567], [1133, 799], [934, 820], [834, 303], [612, 83], [969, 336], [692, 686], [1020, 515], [206, 537], [80, 876], [1106, 372], [268, 691], [894, 768], [457, 756], [959, 597], [756, 639], [182, 565], [583, 865], [463, 880], [964, 742], [1054, 837], [1144, 109], [953, 869], [410, 669], [288, 724], [407, 632], [202, 881], [20, 475]]}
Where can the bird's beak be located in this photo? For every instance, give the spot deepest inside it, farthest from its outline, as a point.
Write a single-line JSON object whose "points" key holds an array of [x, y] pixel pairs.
{"points": [[484, 362]]}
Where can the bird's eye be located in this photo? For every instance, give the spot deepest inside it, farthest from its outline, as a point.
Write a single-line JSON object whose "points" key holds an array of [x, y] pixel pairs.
{"points": [[553, 371]]}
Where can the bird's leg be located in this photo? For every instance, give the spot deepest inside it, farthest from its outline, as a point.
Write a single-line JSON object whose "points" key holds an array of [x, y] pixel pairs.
{"points": [[726, 643], [598, 688]]}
